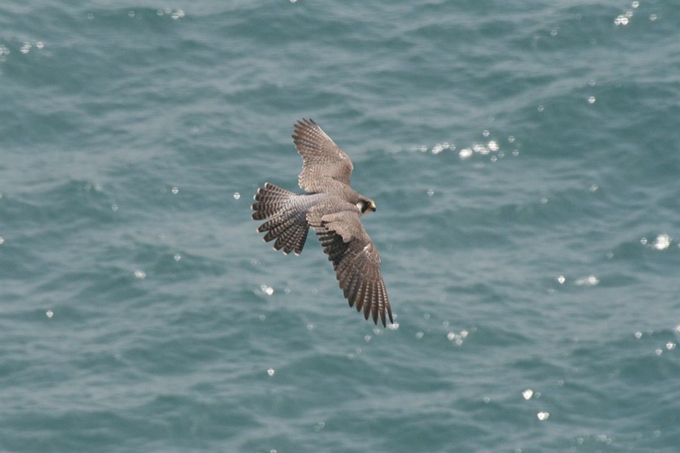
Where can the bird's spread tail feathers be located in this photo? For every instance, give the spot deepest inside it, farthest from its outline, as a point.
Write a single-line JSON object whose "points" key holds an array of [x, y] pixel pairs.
{"points": [[286, 224]]}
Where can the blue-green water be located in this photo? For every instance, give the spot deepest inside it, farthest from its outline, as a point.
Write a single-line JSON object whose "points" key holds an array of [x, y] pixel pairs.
{"points": [[525, 160]]}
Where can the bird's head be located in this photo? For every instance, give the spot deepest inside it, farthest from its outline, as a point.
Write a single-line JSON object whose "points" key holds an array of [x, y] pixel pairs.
{"points": [[366, 205]]}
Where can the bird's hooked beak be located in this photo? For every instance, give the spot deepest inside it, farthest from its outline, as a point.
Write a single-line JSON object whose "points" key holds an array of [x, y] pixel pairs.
{"points": [[372, 206]]}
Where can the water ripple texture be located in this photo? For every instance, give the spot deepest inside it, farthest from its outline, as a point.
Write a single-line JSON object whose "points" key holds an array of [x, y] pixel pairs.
{"points": [[524, 158]]}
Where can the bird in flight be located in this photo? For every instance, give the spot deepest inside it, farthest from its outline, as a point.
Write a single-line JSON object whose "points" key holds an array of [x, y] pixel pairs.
{"points": [[333, 209]]}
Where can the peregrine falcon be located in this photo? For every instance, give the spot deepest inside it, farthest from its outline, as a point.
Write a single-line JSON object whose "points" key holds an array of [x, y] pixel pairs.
{"points": [[333, 209]]}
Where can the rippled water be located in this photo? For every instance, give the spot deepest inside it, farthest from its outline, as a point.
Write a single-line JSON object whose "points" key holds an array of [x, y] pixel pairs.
{"points": [[524, 160]]}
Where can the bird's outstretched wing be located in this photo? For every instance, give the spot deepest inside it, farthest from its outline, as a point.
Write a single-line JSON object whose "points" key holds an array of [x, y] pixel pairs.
{"points": [[321, 157], [356, 262]]}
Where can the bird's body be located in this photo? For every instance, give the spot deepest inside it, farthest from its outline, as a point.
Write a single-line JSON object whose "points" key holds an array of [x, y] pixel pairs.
{"points": [[333, 209]]}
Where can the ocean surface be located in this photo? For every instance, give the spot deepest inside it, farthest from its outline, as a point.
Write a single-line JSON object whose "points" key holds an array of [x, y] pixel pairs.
{"points": [[525, 161]]}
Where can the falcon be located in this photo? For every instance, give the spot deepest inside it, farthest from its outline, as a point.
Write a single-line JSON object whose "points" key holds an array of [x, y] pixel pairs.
{"points": [[333, 210]]}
